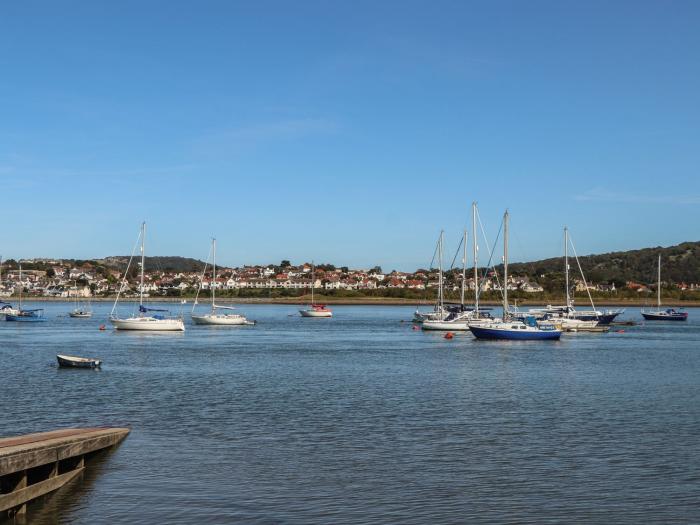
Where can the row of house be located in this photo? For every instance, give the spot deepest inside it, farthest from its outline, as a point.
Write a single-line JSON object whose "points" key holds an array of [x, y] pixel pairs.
{"points": [[66, 280]]}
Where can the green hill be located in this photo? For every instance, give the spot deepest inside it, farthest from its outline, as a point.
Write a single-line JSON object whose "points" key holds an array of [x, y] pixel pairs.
{"points": [[679, 263], [165, 263]]}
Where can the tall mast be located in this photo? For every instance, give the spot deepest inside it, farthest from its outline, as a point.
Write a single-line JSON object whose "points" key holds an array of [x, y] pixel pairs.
{"points": [[566, 265], [20, 286], [505, 264], [440, 294], [313, 277], [464, 266], [143, 258], [475, 250], [213, 289], [658, 287]]}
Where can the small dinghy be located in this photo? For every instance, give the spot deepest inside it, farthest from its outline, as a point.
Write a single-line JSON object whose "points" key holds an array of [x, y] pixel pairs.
{"points": [[77, 362]]}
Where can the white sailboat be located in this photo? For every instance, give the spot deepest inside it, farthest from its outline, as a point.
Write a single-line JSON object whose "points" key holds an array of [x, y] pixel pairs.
{"points": [[214, 317], [6, 308], [315, 310], [144, 320], [456, 320], [80, 312], [439, 312]]}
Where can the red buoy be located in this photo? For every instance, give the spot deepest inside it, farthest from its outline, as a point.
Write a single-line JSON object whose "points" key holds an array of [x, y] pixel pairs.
{"points": [[449, 335], [415, 327], [102, 327]]}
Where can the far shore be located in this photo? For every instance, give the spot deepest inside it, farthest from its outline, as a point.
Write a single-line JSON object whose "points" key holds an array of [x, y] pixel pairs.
{"points": [[359, 301]]}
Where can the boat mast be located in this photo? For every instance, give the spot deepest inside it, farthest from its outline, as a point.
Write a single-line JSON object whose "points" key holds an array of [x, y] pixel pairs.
{"points": [[313, 277], [213, 288], [476, 271], [464, 266], [505, 264], [566, 266], [20, 286], [658, 287], [143, 258], [440, 293]]}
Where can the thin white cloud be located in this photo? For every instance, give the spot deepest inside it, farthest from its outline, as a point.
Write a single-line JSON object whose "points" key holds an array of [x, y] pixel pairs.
{"points": [[605, 195], [256, 134]]}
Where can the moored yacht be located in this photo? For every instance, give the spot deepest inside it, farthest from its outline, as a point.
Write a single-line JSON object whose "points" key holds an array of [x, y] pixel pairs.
{"points": [[219, 315], [508, 328], [24, 315], [668, 314], [144, 319], [315, 310]]}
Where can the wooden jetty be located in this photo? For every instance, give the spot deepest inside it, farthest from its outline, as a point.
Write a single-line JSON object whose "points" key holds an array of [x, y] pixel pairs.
{"points": [[34, 465]]}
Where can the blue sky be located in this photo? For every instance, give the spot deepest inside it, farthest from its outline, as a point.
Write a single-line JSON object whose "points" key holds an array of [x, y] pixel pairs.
{"points": [[348, 132]]}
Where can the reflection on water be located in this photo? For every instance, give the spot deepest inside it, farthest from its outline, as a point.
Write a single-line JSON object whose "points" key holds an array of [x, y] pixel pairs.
{"points": [[360, 418]]}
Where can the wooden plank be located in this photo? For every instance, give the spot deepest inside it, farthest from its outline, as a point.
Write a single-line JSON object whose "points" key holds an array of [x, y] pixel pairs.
{"points": [[20, 456], [43, 436], [22, 496]]}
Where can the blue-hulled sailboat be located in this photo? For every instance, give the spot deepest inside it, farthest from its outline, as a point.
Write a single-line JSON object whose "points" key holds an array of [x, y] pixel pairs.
{"points": [[34, 315], [508, 328], [669, 314]]}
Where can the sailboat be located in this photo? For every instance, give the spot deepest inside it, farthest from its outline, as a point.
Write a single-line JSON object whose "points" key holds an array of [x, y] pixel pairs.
{"points": [[669, 314], [22, 315], [213, 317], [457, 320], [565, 316], [144, 320], [5, 307], [80, 312], [315, 310], [509, 328]]}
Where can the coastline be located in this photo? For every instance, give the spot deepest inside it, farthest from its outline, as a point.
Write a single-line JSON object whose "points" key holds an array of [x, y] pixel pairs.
{"points": [[359, 301]]}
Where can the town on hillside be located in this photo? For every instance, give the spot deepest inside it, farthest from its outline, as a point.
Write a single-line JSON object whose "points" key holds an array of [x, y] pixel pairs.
{"points": [[71, 278]]}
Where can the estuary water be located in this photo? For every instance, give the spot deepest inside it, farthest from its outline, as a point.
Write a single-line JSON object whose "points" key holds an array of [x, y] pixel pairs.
{"points": [[361, 419]]}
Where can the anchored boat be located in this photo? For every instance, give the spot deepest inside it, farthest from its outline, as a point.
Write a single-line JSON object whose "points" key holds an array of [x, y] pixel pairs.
{"points": [[144, 320], [508, 328], [214, 317], [669, 314], [315, 310], [80, 311], [69, 361], [22, 315]]}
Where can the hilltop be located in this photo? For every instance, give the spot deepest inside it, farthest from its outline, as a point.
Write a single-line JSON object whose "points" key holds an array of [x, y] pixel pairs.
{"points": [[680, 264], [172, 263]]}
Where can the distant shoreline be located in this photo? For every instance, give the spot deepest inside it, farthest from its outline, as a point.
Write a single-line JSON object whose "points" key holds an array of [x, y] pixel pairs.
{"points": [[359, 301]]}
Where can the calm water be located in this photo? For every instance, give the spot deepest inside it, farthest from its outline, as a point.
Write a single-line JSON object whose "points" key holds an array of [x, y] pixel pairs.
{"points": [[362, 419]]}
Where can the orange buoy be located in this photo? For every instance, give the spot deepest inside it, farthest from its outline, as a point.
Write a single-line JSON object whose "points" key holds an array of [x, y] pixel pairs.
{"points": [[102, 327], [449, 335]]}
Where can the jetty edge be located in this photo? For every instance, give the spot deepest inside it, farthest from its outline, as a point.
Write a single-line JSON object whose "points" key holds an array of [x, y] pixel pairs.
{"points": [[34, 465]]}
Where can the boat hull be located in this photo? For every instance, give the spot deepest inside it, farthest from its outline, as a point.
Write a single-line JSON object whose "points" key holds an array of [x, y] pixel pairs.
{"points": [[80, 315], [221, 320], [68, 361], [445, 325], [487, 332], [316, 313], [678, 316], [603, 319], [24, 318], [149, 324]]}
